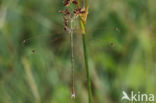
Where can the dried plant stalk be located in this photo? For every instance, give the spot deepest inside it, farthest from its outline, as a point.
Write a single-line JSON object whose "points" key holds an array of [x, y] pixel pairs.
{"points": [[31, 80]]}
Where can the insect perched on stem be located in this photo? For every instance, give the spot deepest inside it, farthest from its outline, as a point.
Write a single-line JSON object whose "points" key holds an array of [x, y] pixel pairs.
{"points": [[70, 14]]}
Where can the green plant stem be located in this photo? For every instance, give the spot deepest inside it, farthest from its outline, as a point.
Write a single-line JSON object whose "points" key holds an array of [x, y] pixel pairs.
{"points": [[86, 61], [86, 3]]}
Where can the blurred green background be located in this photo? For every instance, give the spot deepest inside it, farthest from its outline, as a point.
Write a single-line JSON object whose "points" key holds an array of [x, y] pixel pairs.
{"points": [[35, 64]]}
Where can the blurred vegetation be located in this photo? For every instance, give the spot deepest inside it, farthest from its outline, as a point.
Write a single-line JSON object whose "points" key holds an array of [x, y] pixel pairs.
{"points": [[35, 65]]}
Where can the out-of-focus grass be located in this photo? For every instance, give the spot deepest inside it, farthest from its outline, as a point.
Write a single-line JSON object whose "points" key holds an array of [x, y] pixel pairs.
{"points": [[121, 41]]}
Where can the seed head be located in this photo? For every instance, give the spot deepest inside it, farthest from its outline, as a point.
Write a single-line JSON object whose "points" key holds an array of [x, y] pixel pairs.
{"points": [[66, 12], [66, 2], [84, 14], [75, 2]]}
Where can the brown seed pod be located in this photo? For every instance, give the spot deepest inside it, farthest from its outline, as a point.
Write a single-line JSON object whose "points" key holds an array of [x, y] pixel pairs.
{"points": [[75, 2], [66, 12], [66, 2]]}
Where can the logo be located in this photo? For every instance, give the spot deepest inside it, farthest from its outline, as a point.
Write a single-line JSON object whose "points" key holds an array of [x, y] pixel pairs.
{"points": [[137, 97]]}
